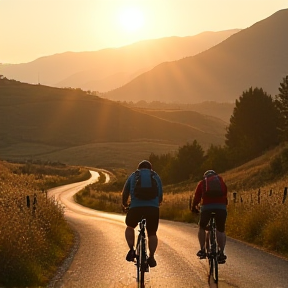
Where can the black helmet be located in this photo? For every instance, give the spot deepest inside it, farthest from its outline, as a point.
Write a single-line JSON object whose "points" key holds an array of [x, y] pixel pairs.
{"points": [[144, 164], [209, 173]]}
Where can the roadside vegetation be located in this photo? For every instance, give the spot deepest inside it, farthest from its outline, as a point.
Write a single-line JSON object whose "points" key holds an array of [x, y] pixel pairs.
{"points": [[257, 210], [34, 236]]}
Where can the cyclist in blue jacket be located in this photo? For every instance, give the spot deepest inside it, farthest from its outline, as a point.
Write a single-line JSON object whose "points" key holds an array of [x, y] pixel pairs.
{"points": [[144, 188]]}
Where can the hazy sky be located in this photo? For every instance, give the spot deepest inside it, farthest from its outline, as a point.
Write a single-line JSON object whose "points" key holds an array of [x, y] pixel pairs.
{"points": [[30, 29]]}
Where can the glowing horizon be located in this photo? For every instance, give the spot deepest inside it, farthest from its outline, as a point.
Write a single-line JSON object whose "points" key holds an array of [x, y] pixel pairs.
{"points": [[33, 29]]}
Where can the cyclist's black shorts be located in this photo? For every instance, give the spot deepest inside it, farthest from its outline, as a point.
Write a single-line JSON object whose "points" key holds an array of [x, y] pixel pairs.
{"points": [[151, 214], [220, 218]]}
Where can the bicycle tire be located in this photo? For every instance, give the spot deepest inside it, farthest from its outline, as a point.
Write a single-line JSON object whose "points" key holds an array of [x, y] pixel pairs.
{"points": [[140, 275], [141, 265], [213, 264], [213, 261]]}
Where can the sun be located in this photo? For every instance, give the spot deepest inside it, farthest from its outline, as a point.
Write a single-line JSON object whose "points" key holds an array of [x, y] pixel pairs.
{"points": [[131, 18]]}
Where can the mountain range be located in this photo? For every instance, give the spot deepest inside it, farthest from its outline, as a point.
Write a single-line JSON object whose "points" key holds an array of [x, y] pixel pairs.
{"points": [[254, 57], [80, 128], [110, 68]]}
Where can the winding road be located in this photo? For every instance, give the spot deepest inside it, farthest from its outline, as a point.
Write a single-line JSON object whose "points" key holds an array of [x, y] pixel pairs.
{"points": [[100, 258]]}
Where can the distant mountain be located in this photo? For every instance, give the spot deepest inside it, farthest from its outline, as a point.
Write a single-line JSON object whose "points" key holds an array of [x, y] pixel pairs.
{"points": [[37, 120], [254, 57], [108, 69]]}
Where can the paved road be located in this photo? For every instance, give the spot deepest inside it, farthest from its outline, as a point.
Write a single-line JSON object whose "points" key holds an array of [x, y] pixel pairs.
{"points": [[100, 259]]}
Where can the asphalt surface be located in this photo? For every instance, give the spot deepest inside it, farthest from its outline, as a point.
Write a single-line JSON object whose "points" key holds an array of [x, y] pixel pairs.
{"points": [[99, 260]]}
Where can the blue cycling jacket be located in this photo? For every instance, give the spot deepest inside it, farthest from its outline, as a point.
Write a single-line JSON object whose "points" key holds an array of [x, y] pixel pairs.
{"points": [[128, 190]]}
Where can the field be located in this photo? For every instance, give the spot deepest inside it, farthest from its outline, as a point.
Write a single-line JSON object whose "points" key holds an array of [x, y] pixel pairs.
{"points": [[102, 155]]}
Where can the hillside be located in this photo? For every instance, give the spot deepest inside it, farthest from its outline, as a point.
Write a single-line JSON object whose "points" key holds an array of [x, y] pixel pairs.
{"points": [[211, 108], [72, 126], [191, 118], [110, 68], [256, 56]]}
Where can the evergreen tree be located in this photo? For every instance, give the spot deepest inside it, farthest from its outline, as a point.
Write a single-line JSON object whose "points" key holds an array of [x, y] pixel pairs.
{"points": [[189, 160], [216, 158], [253, 126], [164, 165], [281, 101]]}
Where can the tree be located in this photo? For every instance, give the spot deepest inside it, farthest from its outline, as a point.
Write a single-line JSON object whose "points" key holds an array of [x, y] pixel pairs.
{"points": [[216, 158], [189, 160], [253, 126], [281, 101], [164, 165]]}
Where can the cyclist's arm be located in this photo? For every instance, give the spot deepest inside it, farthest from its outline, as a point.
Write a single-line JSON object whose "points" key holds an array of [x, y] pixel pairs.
{"points": [[197, 196], [160, 187], [126, 193]]}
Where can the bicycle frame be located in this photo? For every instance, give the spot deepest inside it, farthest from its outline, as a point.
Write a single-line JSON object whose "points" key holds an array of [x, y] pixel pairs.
{"points": [[141, 254], [213, 250]]}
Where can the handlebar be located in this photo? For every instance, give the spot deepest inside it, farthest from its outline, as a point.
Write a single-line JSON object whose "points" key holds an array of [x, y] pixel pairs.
{"points": [[195, 210], [125, 209]]}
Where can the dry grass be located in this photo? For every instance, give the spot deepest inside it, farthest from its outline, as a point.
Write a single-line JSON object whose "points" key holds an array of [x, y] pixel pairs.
{"points": [[33, 240], [261, 218]]}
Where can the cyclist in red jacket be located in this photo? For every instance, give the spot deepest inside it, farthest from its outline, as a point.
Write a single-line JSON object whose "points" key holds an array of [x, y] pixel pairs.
{"points": [[211, 195]]}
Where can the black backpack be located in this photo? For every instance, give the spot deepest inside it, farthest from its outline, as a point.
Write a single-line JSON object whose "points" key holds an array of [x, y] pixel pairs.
{"points": [[145, 193], [212, 186]]}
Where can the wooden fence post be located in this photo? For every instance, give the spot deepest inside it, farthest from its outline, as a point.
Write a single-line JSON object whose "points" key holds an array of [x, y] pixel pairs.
{"points": [[285, 195], [28, 201], [271, 191], [34, 204], [234, 197]]}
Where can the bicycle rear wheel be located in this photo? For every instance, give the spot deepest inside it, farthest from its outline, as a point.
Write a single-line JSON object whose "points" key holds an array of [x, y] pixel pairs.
{"points": [[140, 274], [213, 267], [141, 267]]}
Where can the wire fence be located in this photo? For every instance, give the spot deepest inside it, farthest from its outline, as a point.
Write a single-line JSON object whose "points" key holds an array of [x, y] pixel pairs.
{"points": [[260, 196]]}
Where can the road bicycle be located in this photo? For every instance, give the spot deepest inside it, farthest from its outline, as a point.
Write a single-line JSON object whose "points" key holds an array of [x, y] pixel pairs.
{"points": [[141, 254], [212, 250]]}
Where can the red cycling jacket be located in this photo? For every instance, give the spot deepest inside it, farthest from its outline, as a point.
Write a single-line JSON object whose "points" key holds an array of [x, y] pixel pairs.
{"points": [[200, 197]]}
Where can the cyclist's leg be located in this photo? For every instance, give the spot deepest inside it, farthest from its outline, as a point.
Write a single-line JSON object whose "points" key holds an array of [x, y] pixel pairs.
{"points": [[131, 222], [203, 222], [130, 237], [152, 218], [152, 244], [220, 219]]}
